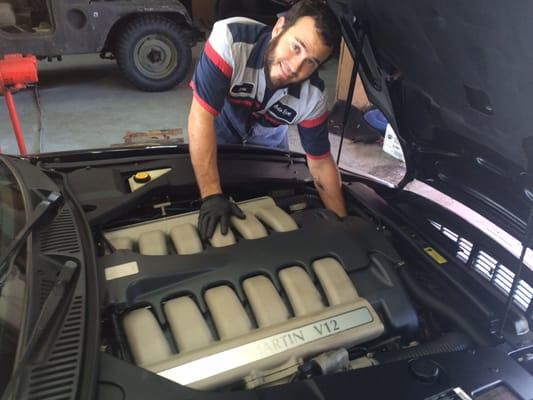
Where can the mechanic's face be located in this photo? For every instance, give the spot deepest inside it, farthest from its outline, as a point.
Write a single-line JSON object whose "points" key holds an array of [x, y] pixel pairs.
{"points": [[294, 54]]}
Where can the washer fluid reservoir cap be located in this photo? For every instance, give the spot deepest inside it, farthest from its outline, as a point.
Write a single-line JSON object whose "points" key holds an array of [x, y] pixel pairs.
{"points": [[142, 177], [425, 370]]}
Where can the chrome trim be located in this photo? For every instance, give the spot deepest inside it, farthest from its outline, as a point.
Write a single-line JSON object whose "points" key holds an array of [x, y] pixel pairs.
{"points": [[240, 356]]}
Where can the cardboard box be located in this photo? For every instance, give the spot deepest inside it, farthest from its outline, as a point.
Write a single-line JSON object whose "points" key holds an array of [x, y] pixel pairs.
{"points": [[359, 100]]}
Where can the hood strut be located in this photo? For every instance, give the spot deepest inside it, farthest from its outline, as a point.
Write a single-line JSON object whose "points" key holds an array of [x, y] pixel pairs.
{"points": [[526, 242], [351, 89]]}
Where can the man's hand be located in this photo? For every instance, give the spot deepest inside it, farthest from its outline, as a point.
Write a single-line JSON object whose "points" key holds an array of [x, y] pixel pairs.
{"points": [[203, 148], [216, 208]]}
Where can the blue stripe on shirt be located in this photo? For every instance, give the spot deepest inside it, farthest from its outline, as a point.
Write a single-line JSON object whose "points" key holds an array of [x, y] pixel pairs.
{"points": [[315, 141], [210, 83], [245, 33]]}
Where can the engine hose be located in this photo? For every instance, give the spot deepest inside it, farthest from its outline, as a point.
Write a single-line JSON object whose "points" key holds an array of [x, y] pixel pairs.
{"points": [[440, 307], [447, 343], [121, 339]]}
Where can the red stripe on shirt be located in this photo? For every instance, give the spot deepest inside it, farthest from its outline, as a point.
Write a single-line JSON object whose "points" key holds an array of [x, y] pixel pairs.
{"points": [[272, 120], [202, 102], [312, 123], [320, 157], [242, 102], [217, 59]]}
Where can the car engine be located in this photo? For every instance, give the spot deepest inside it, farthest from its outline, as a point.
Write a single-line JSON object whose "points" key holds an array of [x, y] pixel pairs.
{"points": [[290, 289]]}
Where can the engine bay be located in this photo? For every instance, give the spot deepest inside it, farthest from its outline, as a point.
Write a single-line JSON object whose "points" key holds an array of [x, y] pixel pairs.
{"points": [[286, 289], [292, 299], [293, 303]]}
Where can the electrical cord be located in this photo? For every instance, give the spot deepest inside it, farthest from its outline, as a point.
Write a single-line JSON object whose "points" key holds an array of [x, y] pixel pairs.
{"points": [[526, 243], [37, 98]]}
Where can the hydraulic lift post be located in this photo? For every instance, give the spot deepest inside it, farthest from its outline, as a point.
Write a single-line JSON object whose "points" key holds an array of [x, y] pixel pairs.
{"points": [[16, 73]]}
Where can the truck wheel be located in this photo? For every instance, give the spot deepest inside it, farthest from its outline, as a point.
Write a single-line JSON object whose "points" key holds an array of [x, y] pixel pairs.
{"points": [[154, 53]]}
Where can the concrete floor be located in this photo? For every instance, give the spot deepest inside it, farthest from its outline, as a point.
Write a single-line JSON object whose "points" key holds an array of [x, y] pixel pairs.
{"points": [[86, 103]]}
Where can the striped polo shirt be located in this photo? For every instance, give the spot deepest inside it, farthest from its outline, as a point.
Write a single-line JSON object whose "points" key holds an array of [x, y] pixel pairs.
{"points": [[229, 82]]}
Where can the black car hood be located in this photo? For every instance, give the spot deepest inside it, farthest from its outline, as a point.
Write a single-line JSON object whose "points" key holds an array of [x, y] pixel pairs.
{"points": [[455, 78]]}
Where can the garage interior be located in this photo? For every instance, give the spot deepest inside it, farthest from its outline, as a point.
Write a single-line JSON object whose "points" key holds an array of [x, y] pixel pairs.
{"points": [[84, 102], [137, 284]]}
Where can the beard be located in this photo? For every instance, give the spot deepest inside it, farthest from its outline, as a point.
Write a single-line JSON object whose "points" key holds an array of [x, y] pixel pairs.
{"points": [[270, 60]]}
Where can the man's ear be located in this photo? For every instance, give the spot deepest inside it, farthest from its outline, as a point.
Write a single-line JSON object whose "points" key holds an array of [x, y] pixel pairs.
{"points": [[278, 28]]}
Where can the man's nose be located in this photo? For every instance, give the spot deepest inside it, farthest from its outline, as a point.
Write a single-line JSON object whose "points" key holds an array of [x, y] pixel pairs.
{"points": [[296, 63]]}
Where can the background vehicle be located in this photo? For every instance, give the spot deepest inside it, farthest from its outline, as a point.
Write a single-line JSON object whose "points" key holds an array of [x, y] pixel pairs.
{"points": [[151, 40]]}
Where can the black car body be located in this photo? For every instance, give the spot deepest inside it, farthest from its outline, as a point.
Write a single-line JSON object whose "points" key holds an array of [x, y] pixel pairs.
{"points": [[405, 298]]}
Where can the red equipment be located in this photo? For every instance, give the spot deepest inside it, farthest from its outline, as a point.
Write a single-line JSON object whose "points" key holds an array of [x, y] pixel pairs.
{"points": [[16, 72]]}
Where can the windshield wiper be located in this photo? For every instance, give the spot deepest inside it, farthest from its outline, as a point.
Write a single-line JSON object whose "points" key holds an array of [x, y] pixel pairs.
{"points": [[43, 209], [48, 312]]}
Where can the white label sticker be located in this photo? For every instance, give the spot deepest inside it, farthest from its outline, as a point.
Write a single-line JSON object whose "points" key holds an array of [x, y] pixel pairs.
{"points": [[122, 270]]}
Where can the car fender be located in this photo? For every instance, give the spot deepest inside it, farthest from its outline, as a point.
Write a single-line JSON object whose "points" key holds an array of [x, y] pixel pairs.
{"points": [[109, 28]]}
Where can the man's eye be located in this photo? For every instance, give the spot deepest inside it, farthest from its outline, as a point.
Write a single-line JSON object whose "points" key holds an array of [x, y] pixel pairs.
{"points": [[310, 62], [296, 48]]}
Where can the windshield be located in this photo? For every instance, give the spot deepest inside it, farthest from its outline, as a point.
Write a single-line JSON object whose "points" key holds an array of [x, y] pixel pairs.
{"points": [[12, 276]]}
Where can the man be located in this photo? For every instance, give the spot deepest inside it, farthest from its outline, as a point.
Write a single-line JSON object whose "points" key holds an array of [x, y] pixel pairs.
{"points": [[250, 83]]}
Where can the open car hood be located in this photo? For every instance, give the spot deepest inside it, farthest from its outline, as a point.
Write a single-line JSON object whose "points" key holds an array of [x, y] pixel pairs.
{"points": [[454, 78]]}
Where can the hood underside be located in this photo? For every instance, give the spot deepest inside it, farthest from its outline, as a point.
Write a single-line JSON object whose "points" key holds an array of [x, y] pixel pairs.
{"points": [[455, 79]]}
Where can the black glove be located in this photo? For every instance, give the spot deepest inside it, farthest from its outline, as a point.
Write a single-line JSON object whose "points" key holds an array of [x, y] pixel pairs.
{"points": [[216, 208]]}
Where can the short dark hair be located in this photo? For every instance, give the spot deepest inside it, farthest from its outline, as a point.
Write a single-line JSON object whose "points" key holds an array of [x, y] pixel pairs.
{"points": [[325, 20]]}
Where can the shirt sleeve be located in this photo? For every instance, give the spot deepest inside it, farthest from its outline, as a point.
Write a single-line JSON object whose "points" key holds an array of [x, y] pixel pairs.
{"points": [[212, 77], [313, 131]]}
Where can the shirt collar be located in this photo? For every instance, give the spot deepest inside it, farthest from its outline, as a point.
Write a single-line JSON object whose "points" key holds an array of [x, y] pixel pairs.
{"points": [[256, 59]]}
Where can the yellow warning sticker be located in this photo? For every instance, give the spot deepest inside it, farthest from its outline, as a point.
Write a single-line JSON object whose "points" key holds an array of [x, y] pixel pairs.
{"points": [[435, 255]]}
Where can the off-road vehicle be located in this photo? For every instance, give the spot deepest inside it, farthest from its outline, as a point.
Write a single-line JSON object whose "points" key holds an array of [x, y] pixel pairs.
{"points": [[151, 40]]}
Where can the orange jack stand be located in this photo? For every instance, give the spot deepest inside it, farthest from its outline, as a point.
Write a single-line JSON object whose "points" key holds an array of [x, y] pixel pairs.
{"points": [[16, 72]]}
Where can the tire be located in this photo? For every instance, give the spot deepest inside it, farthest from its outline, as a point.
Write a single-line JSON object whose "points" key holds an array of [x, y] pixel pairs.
{"points": [[154, 53]]}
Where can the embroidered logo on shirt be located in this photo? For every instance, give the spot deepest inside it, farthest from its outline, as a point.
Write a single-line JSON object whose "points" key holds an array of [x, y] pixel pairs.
{"points": [[283, 112], [244, 88]]}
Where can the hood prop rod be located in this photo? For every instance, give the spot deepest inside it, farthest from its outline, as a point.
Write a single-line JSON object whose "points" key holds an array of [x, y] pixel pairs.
{"points": [[351, 89], [526, 242]]}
